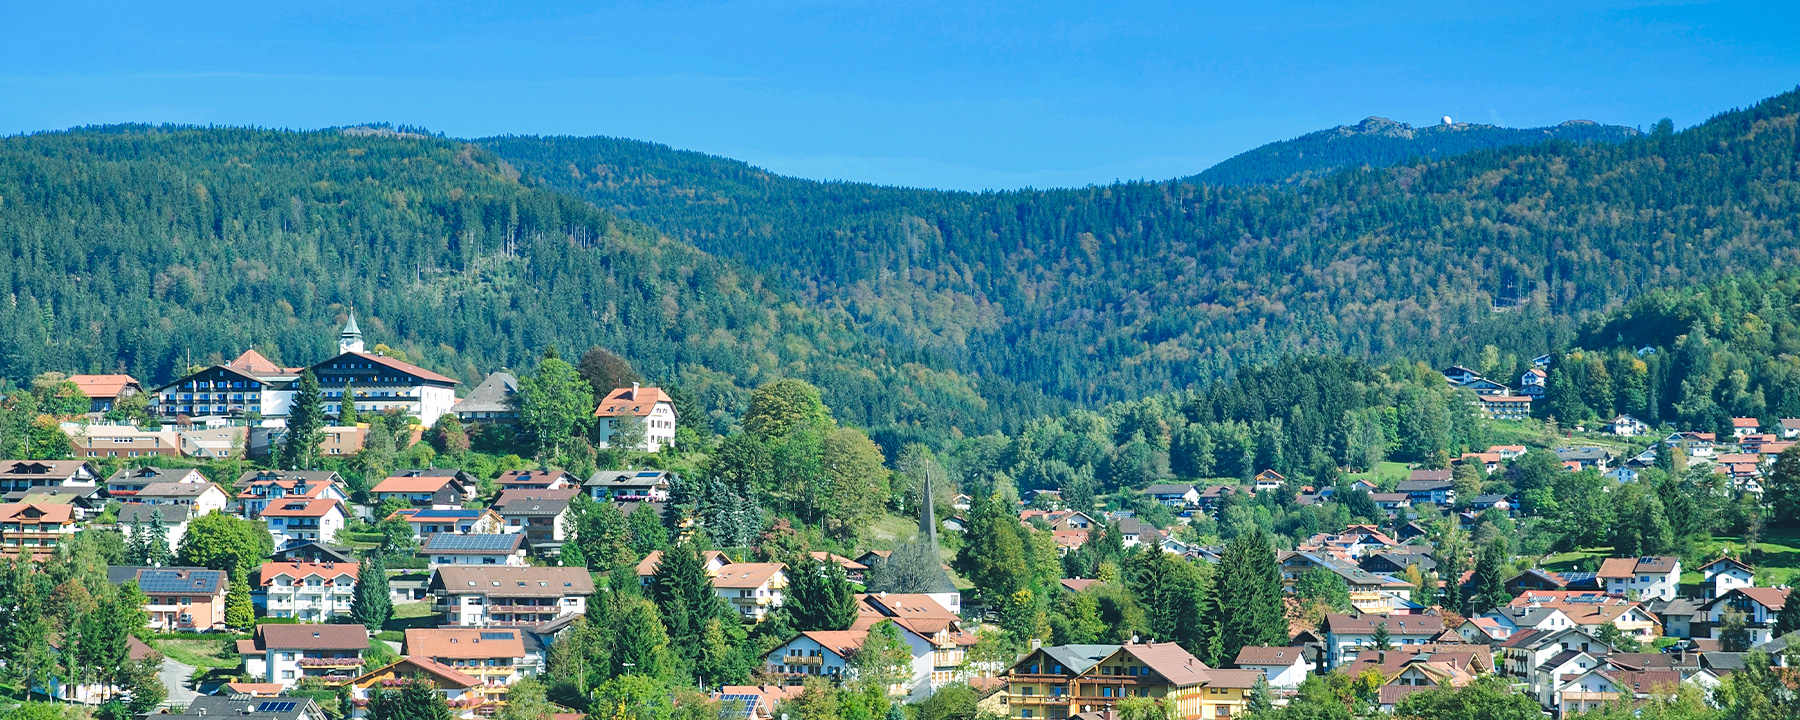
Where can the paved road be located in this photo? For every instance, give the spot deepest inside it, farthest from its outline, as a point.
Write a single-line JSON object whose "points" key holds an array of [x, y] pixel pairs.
{"points": [[175, 677]]}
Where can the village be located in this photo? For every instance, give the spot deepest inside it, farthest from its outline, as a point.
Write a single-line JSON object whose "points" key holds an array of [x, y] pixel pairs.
{"points": [[488, 581]]}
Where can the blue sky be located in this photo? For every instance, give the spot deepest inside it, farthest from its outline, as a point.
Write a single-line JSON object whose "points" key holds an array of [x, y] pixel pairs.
{"points": [[954, 95]]}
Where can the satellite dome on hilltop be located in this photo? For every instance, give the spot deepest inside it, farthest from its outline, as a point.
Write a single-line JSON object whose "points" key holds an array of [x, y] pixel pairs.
{"points": [[1447, 120]]}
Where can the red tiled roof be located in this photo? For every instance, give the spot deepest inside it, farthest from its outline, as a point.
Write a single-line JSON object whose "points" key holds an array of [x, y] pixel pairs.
{"points": [[102, 386], [297, 570], [629, 401], [315, 507], [405, 367]]}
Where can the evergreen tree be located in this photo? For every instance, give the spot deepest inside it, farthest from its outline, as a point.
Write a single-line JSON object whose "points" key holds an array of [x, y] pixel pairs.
{"points": [[347, 414], [685, 599], [305, 426], [155, 549], [993, 552], [1734, 632], [1781, 488], [371, 606], [1789, 619], [1488, 586], [408, 700], [1381, 639], [819, 597], [1249, 593], [1262, 697], [640, 643]]}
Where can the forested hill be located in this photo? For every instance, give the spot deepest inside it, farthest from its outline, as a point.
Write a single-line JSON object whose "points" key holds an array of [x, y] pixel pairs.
{"points": [[136, 248], [1114, 292], [1380, 142]]}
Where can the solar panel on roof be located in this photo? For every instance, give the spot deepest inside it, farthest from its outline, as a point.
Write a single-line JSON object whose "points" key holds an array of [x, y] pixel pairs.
{"points": [[746, 704], [276, 706], [472, 543], [496, 636]]}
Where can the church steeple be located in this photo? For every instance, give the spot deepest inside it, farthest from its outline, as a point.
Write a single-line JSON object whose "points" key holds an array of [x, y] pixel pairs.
{"points": [[927, 513], [350, 340]]}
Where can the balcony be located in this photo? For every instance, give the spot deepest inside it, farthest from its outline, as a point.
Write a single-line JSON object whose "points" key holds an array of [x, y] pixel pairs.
{"points": [[329, 662], [549, 609], [802, 660]]}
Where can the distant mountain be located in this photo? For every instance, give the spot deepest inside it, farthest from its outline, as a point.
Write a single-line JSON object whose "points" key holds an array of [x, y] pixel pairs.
{"points": [[1380, 142], [1121, 291]]}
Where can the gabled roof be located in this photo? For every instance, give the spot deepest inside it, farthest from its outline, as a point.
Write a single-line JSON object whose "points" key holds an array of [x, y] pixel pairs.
{"points": [[1627, 567], [255, 364], [1168, 489], [473, 544], [746, 575], [1772, 598], [444, 675], [312, 637], [196, 580], [33, 469], [1078, 658], [629, 478], [494, 394], [1724, 563], [303, 507], [134, 512], [1398, 625], [327, 571], [103, 386], [175, 489], [1172, 662], [632, 401], [413, 484], [395, 365], [509, 581], [37, 511], [1261, 655], [527, 501]]}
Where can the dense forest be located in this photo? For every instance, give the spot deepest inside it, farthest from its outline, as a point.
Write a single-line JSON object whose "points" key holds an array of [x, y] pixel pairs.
{"points": [[1107, 293], [1380, 142], [144, 249]]}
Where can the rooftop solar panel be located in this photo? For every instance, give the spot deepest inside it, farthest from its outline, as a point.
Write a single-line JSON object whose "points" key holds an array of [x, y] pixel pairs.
{"points": [[496, 636], [746, 704], [276, 706], [442, 542]]}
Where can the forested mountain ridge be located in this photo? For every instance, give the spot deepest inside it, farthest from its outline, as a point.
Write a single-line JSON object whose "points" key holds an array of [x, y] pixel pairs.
{"points": [[137, 248], [1107, 293], [1380, 142]]}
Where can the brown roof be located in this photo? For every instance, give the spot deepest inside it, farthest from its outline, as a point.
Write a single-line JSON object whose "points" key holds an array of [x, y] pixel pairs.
{"points": [[447, 676], [1222, 678], [507, 581], [1627, 567], [46, 513], [842, 642], [103, 386], [1396, 624], [1171, 662], [312, 637], [298, 570], [59, 469], [174, 489], [1772, 598], [630, 401], [405, 367], [316, 507], [533, 477], [907, 605], [414, 483], [746, 575], [254, 363], [1265, 655], [465, 643], [1079, 584]]}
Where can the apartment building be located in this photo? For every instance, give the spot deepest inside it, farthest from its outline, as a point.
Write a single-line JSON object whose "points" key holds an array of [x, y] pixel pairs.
{"points": [[331, 654], [498, 595], [181, 599], [307, 591]]}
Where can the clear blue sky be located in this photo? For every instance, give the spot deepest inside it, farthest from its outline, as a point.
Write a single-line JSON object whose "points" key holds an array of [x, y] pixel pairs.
{"points": [[953, 95]]}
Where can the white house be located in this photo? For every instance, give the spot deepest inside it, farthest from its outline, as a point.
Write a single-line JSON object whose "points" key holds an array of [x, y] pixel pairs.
{"points": [[1650, 577], [1627, 426], [1726, 574], [1285, 667], [426, 523], [483, 595], [248, 386], [1345, 635], [380, 383], [203, 497], [651, 408], [308, 591], [755, 589], [474, 549], [286, 653], [1759, 605], [292, 522], [498, 657], [827, 653]]}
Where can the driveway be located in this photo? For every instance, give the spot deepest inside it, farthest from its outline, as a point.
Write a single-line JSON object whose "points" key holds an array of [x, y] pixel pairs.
{"points": [[175, 677]]}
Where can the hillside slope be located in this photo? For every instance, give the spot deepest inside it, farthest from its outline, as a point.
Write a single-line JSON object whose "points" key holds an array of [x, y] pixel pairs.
{"points": [[138, 248], [1380, 142], [1113, 292]]}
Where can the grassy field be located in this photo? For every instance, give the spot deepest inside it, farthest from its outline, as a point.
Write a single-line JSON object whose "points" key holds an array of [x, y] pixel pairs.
{"points": [[1386, 474], [204, 654], [1777, 558]]}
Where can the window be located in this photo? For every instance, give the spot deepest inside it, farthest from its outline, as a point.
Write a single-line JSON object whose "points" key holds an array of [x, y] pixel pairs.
{"points": [[287, 674]]}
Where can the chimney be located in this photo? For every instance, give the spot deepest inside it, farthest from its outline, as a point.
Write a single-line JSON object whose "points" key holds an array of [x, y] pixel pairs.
{"points": [[1381, 656], [1036, 643], [634, 391]]}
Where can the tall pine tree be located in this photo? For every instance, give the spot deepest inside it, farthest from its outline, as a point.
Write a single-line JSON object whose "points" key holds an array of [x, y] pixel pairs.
{"points": [[1488, 586], [371, 606], [1249, 594], [819, 597], [305, 426]]}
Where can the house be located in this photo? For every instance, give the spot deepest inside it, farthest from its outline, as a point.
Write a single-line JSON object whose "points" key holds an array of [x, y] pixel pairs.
{"points": [[1645, 578], [754, 589], [497, 657], [551, 479], [138, 517], [1743, 426], [1759, 605], [1491, 502], [336, 440], [92, 693], [1460, 375], [498, 595], [1133, 531], [1178, 496], [1369, 592], [1505, 407], [437, 489], [180, 598], [126, 482], [754, 702], [445, 549], [222, 706], [1060, 520], [490, 402], [314, 552], [203, 498], [1511, 620], [1347, 634], [1627, 426], [330, 654], [380, 383], [1065, 680], [1488, 462], [1394, 503], [292, 522], [1429, 487], [1621, 475], [1396, 563], [1285, 667], [1726, 574], [712, 559], [1484, 386], [828, 654], [306, 591], [618, 485], [925, 617], [1605, 686], [650, 408], [1526, 651], [1267, 480], [542, 516], [462, 693], [425, 523], [1541, 579], [1590, 610], [1532, 383], [1585, 458], [121, 441], [104, 391], [28, 475], [35, 528], [257, 488], [853, 570], [87, 502], [1483, 631], [1677, 616], [249, 387], [1790, 428]]}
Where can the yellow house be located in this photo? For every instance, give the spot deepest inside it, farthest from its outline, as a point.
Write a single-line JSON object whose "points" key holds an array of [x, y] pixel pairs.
{"points": [[1061, 681]]}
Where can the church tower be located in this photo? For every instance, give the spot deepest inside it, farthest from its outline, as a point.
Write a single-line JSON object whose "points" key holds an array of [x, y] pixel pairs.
{"points": [[350, 340]]}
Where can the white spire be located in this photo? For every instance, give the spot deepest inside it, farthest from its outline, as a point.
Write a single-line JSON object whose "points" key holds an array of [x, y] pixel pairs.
{"points": [[350, 340]]}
